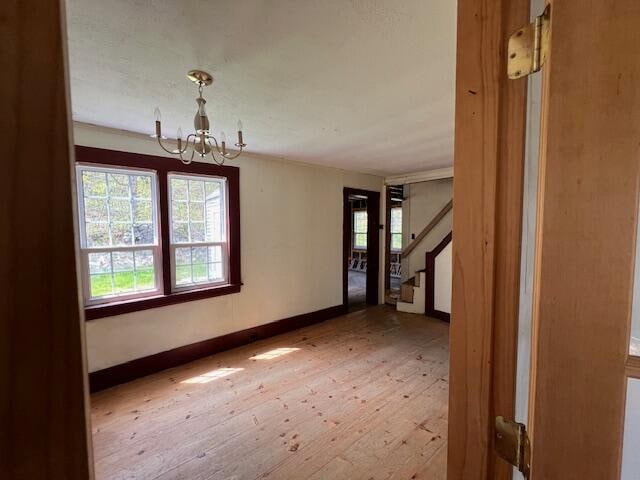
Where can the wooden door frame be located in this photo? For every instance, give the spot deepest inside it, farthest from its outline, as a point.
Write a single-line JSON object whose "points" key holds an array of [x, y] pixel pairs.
{"points": [[387, 240], [373, 244], [588, 191], [490, 124], [44, 399]]}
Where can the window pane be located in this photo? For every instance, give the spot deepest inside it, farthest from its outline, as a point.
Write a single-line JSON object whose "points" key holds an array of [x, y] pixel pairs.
{"points": [[215, 254], [94, 183], [215, 216], [196, 211], [145, 272], [183, 256], [360, 222], [200, 273], [197, 232], [120, 210], [118, 184], [183, 275], [100, 262], [121, 234], [180, 212], [396, 241], [180, 233], [123, 276], [95, 209], [143, 233], [199, 254], [360, 240], [396, 220], [142, 211], [199, 257], [178, 189], [196, 190], [141, 186], [215, 272], [101, 285], [97, 234]]}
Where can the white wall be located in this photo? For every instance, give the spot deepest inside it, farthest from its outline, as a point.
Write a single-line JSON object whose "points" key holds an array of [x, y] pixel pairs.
{"points": [[291, 254], [443, 280], [422, 202]]}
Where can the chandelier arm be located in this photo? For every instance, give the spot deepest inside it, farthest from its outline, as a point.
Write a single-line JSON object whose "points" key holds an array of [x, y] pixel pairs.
{"points": [[211, 137], [187, 161], [231, 157], [186, 142], [215, 159], [162, 146]]}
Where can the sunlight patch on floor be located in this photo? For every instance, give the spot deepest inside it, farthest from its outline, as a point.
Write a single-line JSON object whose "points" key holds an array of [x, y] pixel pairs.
{"points": [[277, 352], [212, 375]]}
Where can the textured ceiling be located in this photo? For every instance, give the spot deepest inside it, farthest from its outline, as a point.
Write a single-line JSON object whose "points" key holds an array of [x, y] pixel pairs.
{"points": [[362, 85]]}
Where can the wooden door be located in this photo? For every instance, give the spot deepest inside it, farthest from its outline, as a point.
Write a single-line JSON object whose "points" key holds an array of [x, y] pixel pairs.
{"points": [[589, 171]]}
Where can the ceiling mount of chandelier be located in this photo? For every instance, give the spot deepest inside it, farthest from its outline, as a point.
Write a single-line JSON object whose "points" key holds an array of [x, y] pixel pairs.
{"points": [[202, 142]]}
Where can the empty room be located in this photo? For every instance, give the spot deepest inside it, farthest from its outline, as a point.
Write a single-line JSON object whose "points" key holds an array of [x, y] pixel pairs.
{"points": [[212, 250], [327, 240]]}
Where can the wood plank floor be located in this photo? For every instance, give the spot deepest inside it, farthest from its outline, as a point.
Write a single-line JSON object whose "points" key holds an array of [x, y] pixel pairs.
{"points": [[362, 396]]}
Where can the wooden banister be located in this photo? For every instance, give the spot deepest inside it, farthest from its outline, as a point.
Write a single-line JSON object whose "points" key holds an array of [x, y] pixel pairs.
{"points": [[425, 231]]}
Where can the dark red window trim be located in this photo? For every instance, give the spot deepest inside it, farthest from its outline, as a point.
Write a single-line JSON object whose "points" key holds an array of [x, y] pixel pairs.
{"points": [[163, 166]]}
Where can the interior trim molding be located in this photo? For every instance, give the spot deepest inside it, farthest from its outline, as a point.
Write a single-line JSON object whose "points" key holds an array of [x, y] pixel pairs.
{"points": [[430, 272], [418, 177], [141, 367]]}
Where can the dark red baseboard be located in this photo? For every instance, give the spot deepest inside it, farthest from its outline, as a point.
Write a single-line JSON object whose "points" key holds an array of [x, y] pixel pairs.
{"points": [[144, 366], [439, 315]]}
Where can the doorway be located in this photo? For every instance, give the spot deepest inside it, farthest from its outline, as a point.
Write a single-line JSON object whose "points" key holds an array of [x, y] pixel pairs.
{"points": [[361, 248], [393, 243]]}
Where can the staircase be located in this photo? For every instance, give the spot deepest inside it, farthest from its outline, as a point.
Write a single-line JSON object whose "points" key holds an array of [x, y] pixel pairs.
{"points": [[413, 294], [417, 294]]}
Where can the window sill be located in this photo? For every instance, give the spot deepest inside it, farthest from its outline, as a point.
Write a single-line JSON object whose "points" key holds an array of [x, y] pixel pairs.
{"points": [[94, 312]]}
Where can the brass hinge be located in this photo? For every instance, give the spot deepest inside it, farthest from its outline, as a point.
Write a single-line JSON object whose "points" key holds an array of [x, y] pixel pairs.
{"points": [[512, 444], [529, 47]]}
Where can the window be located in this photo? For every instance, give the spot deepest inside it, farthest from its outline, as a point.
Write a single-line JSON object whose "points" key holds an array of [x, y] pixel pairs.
{"points": [[119, 233], [154, 231], [198, 238], [360, 229], [396, 229]]}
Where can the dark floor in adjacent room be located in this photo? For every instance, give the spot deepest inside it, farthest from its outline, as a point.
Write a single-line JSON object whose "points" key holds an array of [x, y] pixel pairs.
{"points": [[357, 290]]}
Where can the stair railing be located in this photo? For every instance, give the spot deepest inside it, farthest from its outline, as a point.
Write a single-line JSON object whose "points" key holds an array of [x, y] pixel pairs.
{"points": [[425, 231]]}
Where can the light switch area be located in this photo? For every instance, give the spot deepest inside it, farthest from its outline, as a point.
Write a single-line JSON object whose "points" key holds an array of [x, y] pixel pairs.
{"points": [[630, 457]]}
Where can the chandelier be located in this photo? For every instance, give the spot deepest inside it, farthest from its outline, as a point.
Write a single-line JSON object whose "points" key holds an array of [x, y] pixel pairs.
{"points": [[202, 142]]}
